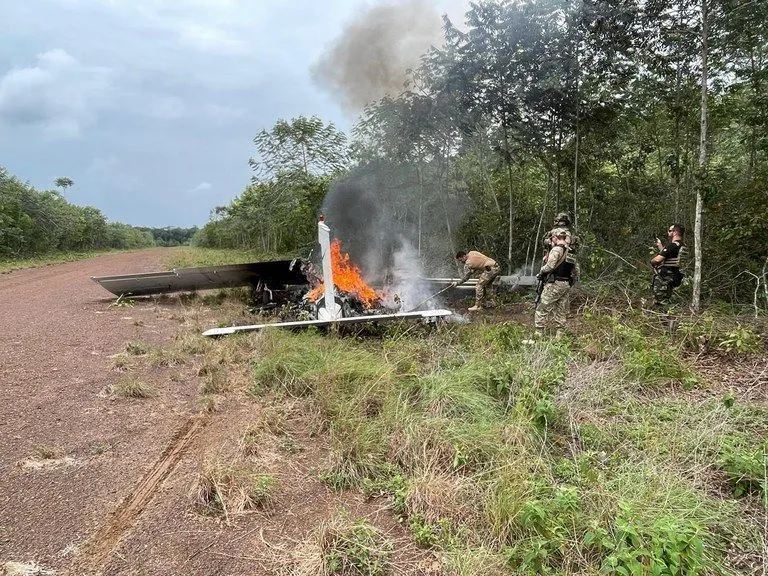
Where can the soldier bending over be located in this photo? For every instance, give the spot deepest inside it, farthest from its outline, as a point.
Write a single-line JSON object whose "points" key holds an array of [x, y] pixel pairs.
{"points": [[474, 263]]}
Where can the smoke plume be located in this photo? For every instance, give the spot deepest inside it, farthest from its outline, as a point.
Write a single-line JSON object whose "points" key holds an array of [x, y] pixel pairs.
{"points": [[375, 211], [371, 56]]}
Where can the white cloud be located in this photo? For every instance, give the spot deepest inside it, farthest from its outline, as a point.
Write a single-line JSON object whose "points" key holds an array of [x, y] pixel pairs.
{"points": [[167, 108], [199, 189], [209, 38], [59, 94], [224, 114], [108, 171]]}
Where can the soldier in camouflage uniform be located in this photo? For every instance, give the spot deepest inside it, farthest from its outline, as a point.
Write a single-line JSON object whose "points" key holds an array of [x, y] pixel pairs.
{"points": [[562, 222], [558, 275], [666, 267], [478, 263]]}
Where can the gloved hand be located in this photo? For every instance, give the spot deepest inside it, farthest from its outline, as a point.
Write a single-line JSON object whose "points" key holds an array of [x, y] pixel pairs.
{"points": [[540, 276], [454, 284]]}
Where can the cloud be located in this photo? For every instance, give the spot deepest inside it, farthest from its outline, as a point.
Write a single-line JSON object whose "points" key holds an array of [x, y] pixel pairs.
{"points": [[209, 38], [167, 108], [224, 114], [59, 94], [109, 171], [199, 189]]}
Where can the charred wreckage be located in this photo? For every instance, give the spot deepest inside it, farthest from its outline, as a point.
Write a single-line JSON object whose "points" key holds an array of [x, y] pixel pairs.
{"points": [[298, 292]]}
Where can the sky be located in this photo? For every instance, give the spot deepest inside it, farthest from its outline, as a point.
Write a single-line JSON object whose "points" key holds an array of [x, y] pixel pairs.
{"points": [[150, 106]]}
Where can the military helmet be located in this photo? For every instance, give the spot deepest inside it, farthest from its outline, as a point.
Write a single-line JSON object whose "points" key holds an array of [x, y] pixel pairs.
{"points": [[563, 219]]}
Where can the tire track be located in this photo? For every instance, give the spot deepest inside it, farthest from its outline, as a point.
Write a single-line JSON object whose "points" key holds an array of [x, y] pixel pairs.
{"points": [[96, 553]]}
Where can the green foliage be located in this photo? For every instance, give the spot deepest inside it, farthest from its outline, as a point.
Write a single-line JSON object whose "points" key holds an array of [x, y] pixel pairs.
{"points": [[522, 452], [742, 340], [667, 547], [357, 549], [171, 236], [746, 467], [33, 224]]}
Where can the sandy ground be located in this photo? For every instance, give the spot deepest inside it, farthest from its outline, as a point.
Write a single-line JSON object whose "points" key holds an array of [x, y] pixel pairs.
{"points": [[91, 483]]}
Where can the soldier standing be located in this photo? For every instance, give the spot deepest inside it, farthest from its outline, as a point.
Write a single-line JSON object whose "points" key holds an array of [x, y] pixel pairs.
{"points": [[478, 263], [666, 267], [558, 275], [562, 222]]}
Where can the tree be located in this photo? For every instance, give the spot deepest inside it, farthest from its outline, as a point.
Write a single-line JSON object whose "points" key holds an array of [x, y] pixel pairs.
{"points": [[303, 145], [703, 158], [63, 182]]}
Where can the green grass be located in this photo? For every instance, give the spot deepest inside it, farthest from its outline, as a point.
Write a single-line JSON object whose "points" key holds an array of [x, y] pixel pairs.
{"points": [[192, 257], [497, 453], [48, 259]]}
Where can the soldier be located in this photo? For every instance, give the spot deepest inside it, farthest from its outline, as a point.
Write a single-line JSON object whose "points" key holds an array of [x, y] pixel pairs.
{"points": [[558, 275], [474, 263], [562, 222], [666, 267]]}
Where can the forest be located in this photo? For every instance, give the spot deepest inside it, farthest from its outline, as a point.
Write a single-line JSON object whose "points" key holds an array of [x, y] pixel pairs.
{"points": [[629, 114], [36, 223]]}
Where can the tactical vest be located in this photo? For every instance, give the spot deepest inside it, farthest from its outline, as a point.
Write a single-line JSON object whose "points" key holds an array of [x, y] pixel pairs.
{"points": [[564, 271], [677, 260]]}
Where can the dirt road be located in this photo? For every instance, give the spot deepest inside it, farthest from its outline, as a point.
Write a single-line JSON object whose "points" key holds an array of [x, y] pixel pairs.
{"points": [[94, 483], [69, 452]]}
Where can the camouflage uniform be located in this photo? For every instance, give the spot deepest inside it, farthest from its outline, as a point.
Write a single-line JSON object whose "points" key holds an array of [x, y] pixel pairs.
{"points": [[559, 275], [489, 270], [562, 223], [667, 276]]}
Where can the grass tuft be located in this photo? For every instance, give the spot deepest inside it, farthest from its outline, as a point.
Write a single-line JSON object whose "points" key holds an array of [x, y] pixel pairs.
{"points": [[228, 490], [342, 547], [135, 388]]}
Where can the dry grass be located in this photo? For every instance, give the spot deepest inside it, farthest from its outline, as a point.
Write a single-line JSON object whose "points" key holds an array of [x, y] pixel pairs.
{"points": [[47, 452], [167, 357], [137, 348], [134, 388], [122, 362], [434, 497], [342, 547], [231, 489]]}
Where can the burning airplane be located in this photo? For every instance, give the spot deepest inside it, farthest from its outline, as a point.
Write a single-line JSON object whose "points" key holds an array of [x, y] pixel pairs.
{"points": [[336, 295], [338, 298]]}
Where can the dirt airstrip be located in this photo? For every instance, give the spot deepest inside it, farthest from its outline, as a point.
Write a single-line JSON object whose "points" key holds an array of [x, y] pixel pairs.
{"points": [[95, 483]]}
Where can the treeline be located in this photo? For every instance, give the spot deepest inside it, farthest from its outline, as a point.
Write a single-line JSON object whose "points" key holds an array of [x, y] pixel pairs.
{"points": [[35, 222], [170, 236], [535, 107]]}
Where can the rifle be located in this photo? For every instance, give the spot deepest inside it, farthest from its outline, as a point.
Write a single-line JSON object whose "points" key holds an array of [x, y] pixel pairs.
{"points": [[539, 290]]}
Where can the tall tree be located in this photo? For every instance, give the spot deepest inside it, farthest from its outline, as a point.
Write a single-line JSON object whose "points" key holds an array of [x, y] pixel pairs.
{"points": [[63, 182], [304, 145], [703, 158]]}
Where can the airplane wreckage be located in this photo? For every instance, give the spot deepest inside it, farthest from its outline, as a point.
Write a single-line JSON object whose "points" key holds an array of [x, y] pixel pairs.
{"points": [[345, 298]]}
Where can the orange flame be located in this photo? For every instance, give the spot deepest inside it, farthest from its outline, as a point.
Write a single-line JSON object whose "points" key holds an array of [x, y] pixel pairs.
{"points": [[346, 278]]}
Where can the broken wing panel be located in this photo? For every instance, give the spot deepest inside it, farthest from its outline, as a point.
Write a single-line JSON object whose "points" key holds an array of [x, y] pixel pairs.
{"points": [[275, 274], [425, 314]]}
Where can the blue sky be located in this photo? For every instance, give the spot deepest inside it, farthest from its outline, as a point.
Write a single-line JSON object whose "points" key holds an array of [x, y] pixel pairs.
{"points": [[150, 106]]}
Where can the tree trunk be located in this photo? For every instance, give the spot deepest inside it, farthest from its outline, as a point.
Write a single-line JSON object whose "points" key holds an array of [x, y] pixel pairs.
{"points": [[678, 113], [536, 245], [421, 203], [576, 152], [696, 301], [508, 162]]}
